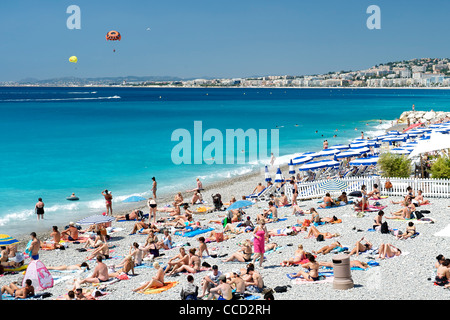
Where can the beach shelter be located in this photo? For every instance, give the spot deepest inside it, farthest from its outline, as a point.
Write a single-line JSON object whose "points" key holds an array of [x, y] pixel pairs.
{"points": [[134, 199], [95, 219], [279, 176], [332, 185], [6, 240], [318, 165], [39, 275], [413, 126], [267, 174], [437, 141], [291, 167], [360, 150]]}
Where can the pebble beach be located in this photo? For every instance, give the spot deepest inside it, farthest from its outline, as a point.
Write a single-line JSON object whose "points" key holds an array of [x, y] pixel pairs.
{"points": [[406, 277]]}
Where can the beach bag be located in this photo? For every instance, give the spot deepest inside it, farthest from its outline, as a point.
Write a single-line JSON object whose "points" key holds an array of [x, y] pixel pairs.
{"points": [[388, 185], [280, 289], [418, 215], [384, 227], [357, 194]]}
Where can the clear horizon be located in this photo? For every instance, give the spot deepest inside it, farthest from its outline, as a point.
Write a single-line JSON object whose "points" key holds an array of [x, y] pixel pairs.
{"points": [[215, 40]]}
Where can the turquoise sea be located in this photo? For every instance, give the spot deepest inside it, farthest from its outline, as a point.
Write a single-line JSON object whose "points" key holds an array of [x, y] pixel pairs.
{"points": [[55, 141]]}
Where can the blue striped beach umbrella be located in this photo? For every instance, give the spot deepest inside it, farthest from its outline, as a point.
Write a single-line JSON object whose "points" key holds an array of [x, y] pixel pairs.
{"points": [[393, 132], [6, 240], [267, 175], [347, 154], [400, 151], [95, 219], [327, 152], [291, 167], [364, 161], [332, 185], [360, 150], [279, 176], [301, 160], [340, 147]]}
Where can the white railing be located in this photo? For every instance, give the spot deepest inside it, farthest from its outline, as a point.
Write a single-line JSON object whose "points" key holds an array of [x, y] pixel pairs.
{"points": [[431, 188]]}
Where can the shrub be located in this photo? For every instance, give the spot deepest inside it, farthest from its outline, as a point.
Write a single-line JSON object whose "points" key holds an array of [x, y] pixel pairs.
{"points": [[440, 169], [394, 165]]}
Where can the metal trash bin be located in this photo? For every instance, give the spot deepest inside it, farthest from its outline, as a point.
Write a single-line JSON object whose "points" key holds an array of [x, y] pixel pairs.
{"points": [[342, 272]]}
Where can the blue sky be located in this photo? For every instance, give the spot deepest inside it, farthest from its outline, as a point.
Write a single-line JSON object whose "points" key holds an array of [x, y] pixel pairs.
{"points": [[215, 38]]}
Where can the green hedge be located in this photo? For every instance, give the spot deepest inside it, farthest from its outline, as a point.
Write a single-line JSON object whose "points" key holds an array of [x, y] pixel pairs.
{"points": [[394, 165]]}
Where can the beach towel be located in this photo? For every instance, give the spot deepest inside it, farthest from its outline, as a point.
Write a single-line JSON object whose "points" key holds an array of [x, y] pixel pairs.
{"points": [[193, 233], [381, 198], [321, 274], [167, 286], [321, 280], [21, 268]]}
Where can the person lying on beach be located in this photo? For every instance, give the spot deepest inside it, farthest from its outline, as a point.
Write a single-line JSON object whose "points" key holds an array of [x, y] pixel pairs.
{"points": [[404, 213], [288, 231], [360, 247], [16, 292], [328, 249], [197, 198], [157, 280], [221, 292], [77, 267], [296, 210], [172, 211], [128, 265], [269, 215], [99, 274], [253, 279], [269, 245], [213, 237], [193, 266], [353, 264], [101, 251], [140, 225], [177, 261], [313, 270], [134, 215], [244, 254], [327, 201], [387, 250], [375, 193], [332, 219], [314, 232], [299, 256], [71, 233], [98, 241], [410, 231], [202, 247], [246, 226]]}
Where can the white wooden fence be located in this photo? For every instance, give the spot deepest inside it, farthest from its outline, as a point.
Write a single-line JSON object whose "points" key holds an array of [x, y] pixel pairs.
{"points": [[431, 188]]}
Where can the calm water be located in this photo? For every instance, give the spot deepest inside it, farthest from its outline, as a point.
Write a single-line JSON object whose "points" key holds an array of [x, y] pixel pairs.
{"points": [[55, 141]]}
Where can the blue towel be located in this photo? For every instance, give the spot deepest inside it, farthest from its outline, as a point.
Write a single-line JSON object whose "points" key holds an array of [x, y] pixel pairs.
{"points": [[193, 233]]}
